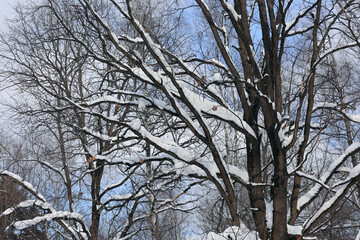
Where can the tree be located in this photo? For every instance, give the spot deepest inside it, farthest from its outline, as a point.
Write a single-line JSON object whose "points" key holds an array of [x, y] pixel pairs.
{"points": [[61, 72], [10, 196], [263, 85], [13, 152]]}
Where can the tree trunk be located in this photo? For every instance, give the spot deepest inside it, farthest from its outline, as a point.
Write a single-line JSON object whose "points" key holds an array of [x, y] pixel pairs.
{"points": [[153, 216], [64, 163], [279, 231], [256, 193], [95, 195]]}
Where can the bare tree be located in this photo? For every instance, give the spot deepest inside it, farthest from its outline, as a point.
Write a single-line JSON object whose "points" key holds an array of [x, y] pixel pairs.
{"points": [[62, 73]]}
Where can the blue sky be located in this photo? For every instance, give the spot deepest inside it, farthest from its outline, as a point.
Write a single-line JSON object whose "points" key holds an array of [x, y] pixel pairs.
{"points": [[6, 10]]}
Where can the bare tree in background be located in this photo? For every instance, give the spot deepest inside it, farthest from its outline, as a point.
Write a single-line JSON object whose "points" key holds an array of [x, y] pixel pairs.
{"points": [[62, 73]]}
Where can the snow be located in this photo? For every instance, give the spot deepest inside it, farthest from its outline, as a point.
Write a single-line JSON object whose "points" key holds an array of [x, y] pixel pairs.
{"points": [[119, 198], [299, 30], [253, 53], [269, 213], [165, 144], [162, 105], [217, 62], [184, 169], [213, 90], [285, 139], [135, 124], [217, 77], [242, 174], [231, 8], [135, 40], [25, 204], [344, 169], [143, 100], [103, 99], [337, 48], [290, 24], [185, 115], [205, 106], [234, 233], [99, 135], [358, 236], [140, 74], [313, 178], [354, 118], [353, 173], [155, 48], [352, 148], [294, 230], [26, 184], [114, 36], [342, 186], [41, 202], [20, 225], [324, 105], [113, 185], [303, 200], [142, 104], [324, 207]]}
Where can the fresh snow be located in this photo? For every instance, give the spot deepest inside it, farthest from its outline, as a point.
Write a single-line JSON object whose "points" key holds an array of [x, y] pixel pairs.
{"points": [[217, 62], [294, 230], [26, 184], [217, 77], [303, 200], [206, 107], [20, 225], [242, 174], [25, 204], [269, 213], [358, 236], [135, 124], [234, 233], [41, 202], [290, 24], [166, 144], [231, 8], [324, 207], [354, 118], [142, 104]]}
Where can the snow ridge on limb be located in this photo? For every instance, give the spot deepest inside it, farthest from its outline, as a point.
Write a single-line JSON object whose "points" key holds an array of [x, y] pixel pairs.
{"points": [[291, 24], [41, 202], [197, 170], [235, 233], [25, 204], [333, 106], [358, 236], [336, 49], [312, 178], [167, 146], [169, 85], [28, 186], [219, 112], [20, 225], [353, 177], [307, 198], [147, 100]]}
